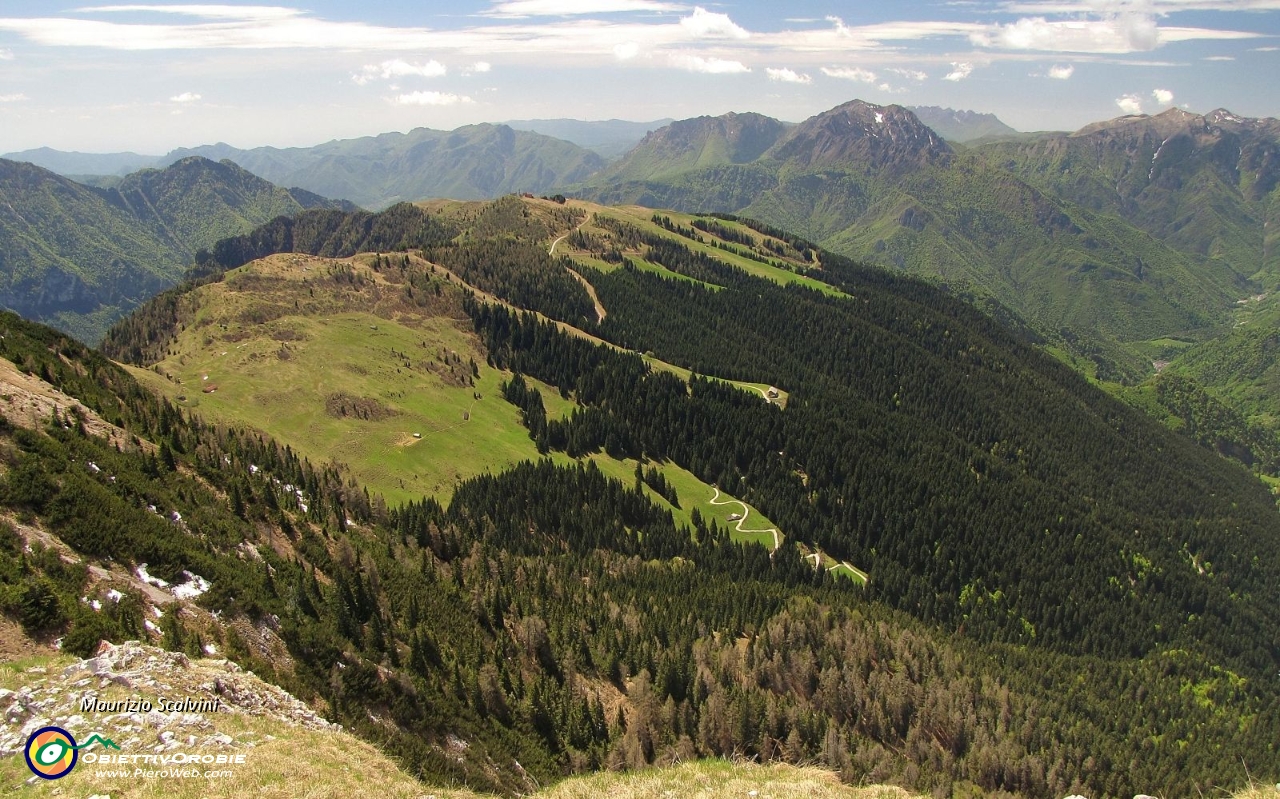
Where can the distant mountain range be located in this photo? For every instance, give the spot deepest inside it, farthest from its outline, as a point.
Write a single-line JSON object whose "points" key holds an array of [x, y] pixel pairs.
{"points": [[1082, 234], [610, 138], [961, 126], [1111, 241], [473, 162], [79, 257], [71, 164]]}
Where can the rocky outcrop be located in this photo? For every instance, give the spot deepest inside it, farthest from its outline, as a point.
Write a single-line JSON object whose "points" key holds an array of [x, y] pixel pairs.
{"points": [[152, 701]]}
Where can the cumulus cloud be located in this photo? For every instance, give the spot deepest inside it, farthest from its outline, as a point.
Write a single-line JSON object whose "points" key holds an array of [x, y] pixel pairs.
{"points": [[185, 97], [626, 51], [12, 98], [431, 98], [1130, 104], [909, 74], [398, 68], [1116, 33], [959, 72], [704, 24], [1061, 71], [786, 75], [481, 66], [850, 73], [1163, 96], [711, 66]]}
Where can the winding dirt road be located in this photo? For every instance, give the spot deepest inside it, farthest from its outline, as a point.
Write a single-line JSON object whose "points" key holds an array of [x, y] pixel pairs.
{"points": [[591, 290], [715, 500]]}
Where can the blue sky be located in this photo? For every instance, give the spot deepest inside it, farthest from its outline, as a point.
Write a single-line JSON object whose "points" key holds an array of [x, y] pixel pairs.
{"points": [[150, 77]]}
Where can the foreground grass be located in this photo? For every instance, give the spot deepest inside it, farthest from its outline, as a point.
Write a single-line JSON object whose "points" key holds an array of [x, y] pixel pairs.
{"points": [[719, 778]]}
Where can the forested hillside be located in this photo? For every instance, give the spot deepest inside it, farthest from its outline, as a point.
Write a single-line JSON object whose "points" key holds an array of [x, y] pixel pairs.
{"points": [[875, 183], [1036, 550], [80, 258]]}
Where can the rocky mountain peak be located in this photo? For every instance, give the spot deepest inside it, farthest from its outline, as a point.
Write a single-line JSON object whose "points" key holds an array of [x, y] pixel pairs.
{"points": [[889, 139]]}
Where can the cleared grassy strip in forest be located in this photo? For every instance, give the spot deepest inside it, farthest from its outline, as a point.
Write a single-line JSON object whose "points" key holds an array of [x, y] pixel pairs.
{"points": [[692, 493], [641, 218], [760, 389]]}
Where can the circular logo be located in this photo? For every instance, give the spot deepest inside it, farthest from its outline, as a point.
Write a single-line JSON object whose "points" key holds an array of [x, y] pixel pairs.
{"points": [[51, 753]]}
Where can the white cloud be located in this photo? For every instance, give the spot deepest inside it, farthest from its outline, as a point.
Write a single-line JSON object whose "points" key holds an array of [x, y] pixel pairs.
{"points": [[1163, 96], [431, 98], [1265, 49], [711, 66], [206, 11], [481, 66], [959, 73], [6, 55], [703, 24], [185, 97], [1130, 104], [576, 37], [1154, 6], [1220, 58], [909, 74], [850, 73], [565, 8], [398, 68], [13, 98], [1061, 71], [1117, 33], [786, 75]]}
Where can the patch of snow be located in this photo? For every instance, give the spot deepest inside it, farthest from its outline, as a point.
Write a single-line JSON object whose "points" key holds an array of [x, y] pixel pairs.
{"points": [[96, 605], [302, 505], [152, 508], [253, 469], [879, 117], [145, 577], [147, 623], [159, 613], [114, 595], [177, 517], [93, 467], [210, 649], [192, 588]]}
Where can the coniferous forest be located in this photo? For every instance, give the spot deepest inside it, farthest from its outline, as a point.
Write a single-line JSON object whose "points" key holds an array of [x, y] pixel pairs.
{"points": [[1064, 596]]}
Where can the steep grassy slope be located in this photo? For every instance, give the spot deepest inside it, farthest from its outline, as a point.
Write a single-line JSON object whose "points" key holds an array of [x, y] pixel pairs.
{"points": [[81, 257]]}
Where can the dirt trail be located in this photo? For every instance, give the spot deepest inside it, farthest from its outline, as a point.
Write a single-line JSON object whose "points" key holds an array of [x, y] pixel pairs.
{"points": [[715, 500], [591, 290]]}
